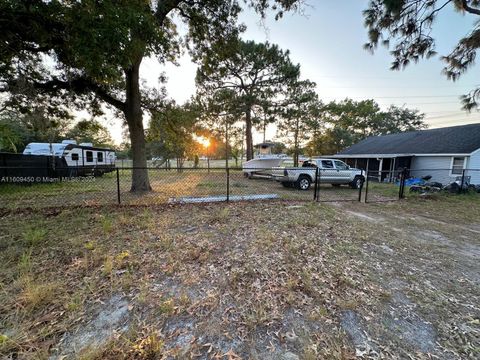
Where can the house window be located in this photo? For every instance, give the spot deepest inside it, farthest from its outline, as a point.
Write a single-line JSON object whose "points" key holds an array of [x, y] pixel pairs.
{"points": [[99, 156], [75, 157], [457, 165], [89, 156]]}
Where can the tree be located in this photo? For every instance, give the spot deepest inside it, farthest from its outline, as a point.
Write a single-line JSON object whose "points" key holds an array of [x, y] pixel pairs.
{"points": [[97, 47], [397, 119], [298, 115], [12, 135], [258, 73], [348, 122], [235, 144], [90, 131], [170, 134], [17, 129], [330, 141], [44, 126], [220, 115], [408, 24]]}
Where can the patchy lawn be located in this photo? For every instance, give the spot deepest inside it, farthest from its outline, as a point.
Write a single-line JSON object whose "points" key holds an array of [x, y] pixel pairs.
{"points": [[270, 280]]}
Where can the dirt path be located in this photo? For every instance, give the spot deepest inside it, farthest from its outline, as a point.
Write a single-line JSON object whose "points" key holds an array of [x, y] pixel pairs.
{"points": [[430, 269]]}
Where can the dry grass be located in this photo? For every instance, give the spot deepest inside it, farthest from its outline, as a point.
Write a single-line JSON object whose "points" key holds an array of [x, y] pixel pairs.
{"points": [[248, 280]]}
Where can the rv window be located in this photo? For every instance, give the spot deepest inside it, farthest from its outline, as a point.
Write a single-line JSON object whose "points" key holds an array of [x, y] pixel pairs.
{"points": [[100, 156], [457, 165], [89, 156], [75, 157]]}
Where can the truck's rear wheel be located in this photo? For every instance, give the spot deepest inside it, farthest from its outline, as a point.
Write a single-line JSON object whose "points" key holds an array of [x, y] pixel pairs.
{"points": [[303, 182]]}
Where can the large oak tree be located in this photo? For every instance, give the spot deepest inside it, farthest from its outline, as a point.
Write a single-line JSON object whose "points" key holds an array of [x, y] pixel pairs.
{"points": [[88, 53]]}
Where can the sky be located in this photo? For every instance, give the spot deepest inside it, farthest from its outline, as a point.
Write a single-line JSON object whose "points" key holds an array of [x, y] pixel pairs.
{"points": [[327, 41]]}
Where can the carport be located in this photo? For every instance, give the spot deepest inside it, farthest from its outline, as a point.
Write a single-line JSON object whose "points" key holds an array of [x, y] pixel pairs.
{"points": [[385, 165]]}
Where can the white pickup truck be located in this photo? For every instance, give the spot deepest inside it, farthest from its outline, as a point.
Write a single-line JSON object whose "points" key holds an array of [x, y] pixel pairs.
{"points": [[330, 171]]}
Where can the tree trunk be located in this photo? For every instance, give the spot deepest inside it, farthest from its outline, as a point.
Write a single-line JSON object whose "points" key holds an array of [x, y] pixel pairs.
{"points": [[134, 117], [243, 144], [264, 129], [248, 133]]}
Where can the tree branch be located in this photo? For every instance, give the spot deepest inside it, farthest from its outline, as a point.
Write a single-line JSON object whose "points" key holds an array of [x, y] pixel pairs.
{"points": [[163, 9], [81, 86], [469, 9]]}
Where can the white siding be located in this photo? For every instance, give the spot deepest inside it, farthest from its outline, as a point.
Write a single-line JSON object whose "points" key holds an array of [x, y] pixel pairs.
{"points": [[441, 166], [474, 163]]}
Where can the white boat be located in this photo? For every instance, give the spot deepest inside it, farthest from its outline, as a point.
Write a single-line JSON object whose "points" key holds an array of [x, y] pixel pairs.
{"points": [[263, 165], [264, 161]]}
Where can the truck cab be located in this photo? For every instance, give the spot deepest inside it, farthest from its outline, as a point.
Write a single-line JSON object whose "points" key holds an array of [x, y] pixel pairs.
{"points": [[328, 171]]}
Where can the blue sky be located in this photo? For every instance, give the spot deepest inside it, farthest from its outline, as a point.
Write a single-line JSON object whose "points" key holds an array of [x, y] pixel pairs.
{"points": [[327, 42]]}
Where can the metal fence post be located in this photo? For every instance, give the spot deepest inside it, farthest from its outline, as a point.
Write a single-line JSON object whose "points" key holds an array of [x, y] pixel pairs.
{"points": [[318, 180], [461, 190], [315, 186], [401, 184], [360, 190], [366, 186], [118, 187], [403, 177], [228, 184]]}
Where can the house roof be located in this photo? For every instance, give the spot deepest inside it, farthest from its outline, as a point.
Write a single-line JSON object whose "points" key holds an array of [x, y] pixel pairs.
{"points": [[463, 139]]}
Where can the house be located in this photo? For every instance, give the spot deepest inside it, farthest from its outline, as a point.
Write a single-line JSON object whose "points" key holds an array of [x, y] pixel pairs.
{"points": [[443, 153]]}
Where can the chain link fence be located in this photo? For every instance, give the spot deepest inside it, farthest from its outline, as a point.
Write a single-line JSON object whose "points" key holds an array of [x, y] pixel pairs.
{"points": [[381, 186], [40, 188]]}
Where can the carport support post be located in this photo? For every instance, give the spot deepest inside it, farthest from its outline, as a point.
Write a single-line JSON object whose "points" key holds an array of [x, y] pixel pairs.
{"points": [[118, 187], [380, 169]]}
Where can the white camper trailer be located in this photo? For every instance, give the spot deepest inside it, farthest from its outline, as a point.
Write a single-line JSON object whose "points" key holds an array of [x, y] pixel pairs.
{"points": [[81, 159]]}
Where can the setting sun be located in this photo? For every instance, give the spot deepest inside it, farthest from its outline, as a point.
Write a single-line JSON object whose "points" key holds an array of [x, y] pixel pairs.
{"points": [[203, 141]]}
